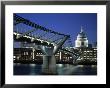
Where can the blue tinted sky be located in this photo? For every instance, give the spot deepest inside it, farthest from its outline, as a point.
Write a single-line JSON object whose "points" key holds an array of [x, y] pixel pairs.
{"points": [[67, 23]]}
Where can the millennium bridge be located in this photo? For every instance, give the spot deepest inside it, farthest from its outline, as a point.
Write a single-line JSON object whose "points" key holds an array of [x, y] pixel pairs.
{"points": [[47, 40]]}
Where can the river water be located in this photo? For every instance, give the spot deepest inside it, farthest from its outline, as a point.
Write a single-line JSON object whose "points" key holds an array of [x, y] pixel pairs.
{"points": [[62, 69]]}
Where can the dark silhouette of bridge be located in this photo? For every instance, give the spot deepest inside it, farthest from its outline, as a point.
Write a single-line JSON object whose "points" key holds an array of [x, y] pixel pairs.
{"points": [[48, 41]]}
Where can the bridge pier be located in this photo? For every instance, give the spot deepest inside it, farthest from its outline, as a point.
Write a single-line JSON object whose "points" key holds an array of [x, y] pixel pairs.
{"points": [[49, 65], [49, 61]]}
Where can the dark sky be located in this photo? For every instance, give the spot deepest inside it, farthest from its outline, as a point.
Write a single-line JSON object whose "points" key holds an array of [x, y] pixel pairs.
{"points": [[67, 23]]}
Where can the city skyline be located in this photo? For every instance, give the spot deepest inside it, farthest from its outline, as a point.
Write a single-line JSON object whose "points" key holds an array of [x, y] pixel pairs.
{"points": [[44, 44], [61, 22]]}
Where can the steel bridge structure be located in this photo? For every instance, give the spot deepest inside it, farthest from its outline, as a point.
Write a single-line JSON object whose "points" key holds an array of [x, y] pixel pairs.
{"points": [[47, 40]]}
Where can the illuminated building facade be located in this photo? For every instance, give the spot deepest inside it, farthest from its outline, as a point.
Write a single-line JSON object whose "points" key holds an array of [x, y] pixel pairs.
{"points": [[25, 55], [31, 55], [89, 52], [81, 40]]}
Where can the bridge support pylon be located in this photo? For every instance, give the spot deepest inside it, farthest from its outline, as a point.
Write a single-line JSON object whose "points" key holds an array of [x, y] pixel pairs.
{"points": [[49, 65], [49, 61]]}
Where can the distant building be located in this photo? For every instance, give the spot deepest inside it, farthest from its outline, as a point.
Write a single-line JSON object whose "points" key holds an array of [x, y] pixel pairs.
{"points": [[30, 55], [81, 40], [88, 51]]}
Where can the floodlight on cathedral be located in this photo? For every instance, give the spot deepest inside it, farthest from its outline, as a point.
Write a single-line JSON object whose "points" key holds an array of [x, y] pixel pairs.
{"points": [[81, 40]]}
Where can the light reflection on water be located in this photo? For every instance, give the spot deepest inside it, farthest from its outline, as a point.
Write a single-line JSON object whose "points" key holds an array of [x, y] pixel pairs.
{"points": [[62, 69]]}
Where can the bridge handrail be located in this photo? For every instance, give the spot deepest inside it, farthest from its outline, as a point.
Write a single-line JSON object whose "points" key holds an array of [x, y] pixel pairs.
{"points": [[32, 24]]}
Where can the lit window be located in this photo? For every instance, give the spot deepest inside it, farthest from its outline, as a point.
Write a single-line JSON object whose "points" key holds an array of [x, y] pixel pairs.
{"points": [[70, 57], [14, 56]]}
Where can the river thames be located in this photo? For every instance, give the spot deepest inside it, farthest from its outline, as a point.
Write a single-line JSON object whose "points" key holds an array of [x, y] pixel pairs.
{"points": [[62, 69]]}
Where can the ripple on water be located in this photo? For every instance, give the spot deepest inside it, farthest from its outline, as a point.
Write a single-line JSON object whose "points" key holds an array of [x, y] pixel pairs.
{"points": [[62, 69]]}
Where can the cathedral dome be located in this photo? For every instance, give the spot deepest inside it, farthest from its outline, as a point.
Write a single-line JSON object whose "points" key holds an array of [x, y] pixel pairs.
{"points": [[81, 40]]}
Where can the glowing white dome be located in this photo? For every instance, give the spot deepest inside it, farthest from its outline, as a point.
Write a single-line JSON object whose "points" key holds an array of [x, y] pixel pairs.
{"points": [[81, 39]]}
